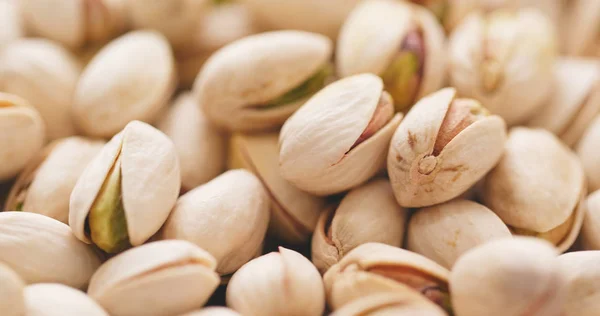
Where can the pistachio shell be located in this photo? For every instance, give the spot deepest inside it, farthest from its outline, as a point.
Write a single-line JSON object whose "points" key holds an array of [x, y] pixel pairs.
{"points": [[12, 300], [50, 299], [590, 230], [580, 28], [453, 12], [551, 8], [583, 277], [11, 27], [587, 150], [278, 283], [213, 311], [403, 302], [160, 278]]}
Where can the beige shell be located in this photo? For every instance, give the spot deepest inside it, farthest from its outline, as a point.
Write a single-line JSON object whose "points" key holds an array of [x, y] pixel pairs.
{"points": [[589, 154], [505, 60], [515, 276], [583, 279], [294, 213], [11, 26], [150, 180], [538, 186], [316, 143], [131, 78], [160, 278], [551, 8], [201, 148], [50, 299], [23, 134], [446, 231], [457, 11], [279, 283], [232, 209], [404, 301], [580, 28], [240, 78], [368, 213], [12, 299], [42, 249], [419, 177], [46, 183], [213, 311], [590, 230]]}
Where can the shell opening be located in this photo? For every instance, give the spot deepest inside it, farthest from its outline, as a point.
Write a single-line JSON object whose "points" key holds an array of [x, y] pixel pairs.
{"points": [[554, 236], [384, 112], [499, 43], [461, 114]]}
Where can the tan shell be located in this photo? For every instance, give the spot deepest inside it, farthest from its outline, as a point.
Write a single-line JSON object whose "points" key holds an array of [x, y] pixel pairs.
{"points": [[240, 77], [583, 277], [515, 276], [580, 28], [160, 278], [150, 180], [279, 283], [457, 11], [23, 134], [131, 78], [551, 8], [51, 299], [294, 213], [12, 300], [589, 154], [402, 302], [11, 26], [213, 311], [368, 213], [590, 230], [460, 164], [232, 209], [322, 161]]}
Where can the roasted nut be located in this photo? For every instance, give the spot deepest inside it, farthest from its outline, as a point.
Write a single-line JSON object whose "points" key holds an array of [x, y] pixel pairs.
{"points": [[587, 150], [581, 28], [11, 27], [590, 230], [404, 301], [49, 299], [583, 277], [443, 146], [12, 299], [214, 311]]}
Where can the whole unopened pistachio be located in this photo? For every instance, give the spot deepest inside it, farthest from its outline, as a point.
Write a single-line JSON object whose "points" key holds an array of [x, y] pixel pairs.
{"points": [[404, 301], [538, 187], [160, 278], [42, 249], [408, 55], [450, 12], [51, 299], [583, 279], [23, 134], [279, 283], [11, 26], [444, 145], [508, 277], [505, 60], [227, 216], [257, 82], [12, 299], [368, 213], [339, 138], [213, 311], [131, 78], [581, 28], [589, 154], [590, 230], [126, 192], [294, 213]]}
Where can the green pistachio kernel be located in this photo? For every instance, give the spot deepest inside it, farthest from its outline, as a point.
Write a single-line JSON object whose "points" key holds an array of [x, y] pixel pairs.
{"points": [[402, 79], [309, 87]]}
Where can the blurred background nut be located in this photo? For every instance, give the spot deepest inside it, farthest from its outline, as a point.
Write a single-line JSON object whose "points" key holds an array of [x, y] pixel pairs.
{"points": [[589, 154], [51, 299], [12, 299], [213, 311], [11, 25], [581, 28], [553, 9], [583, 282], [402, 302], [590, 230], [450, 12]]}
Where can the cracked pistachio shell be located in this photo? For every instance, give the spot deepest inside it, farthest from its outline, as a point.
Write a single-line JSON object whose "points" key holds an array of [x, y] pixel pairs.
{"points": [[538, 187], [147, 188], [345, 132], [505, 60], [51, 299], [278, 283], [590, 230], [23, 134], [402, 302], [443, 147], [257, 82], [368, 213], [583, 282], [167, 277], [42, 249], [199, 145], [45, 185], [445, 231], [213, 311], [11, 26], [294, 213], [373, 268], [131, 78], [589, 154], [228, 216], [581, 28], [508, 277], [12, 299]]}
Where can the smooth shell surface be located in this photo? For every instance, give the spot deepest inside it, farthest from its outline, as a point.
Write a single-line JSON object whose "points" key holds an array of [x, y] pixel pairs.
{"points": [[404, 301], [12, 299], [50, 299], [11, 26], [583, 276], [580, 28]]}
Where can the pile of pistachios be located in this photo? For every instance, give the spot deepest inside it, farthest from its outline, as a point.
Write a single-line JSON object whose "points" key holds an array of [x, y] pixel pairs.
{"points": [[299, 157]]}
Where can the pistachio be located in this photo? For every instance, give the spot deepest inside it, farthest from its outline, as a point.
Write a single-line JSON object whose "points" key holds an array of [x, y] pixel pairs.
{"points": [[368, 213], [583, 276], [450, 13], [443, 146], [160, 278], [49, 299], [213, 311], [11, 27], [409, 55], [581, 28], [12, 300], [127, 191], [587, 150], [590, 230], [402, 302], [278, 283], [514, 276]]}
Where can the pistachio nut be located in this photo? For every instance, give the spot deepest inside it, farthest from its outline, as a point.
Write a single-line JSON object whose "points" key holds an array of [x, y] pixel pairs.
{"points": [[575, 101], [23, 134], [590, 230], [538, 187], [410, 52], [279, 71], [587, 150], [42, 249], [505, 60], [405, 301], [581, 28], [131, 78], [368, 213], [51, 299], [228, 216], [213, 311], [12, 299], [450, 12], [127, 191], [373, 268], [446, 231], [444, 145], [551, 8], [167, 277], [199, 145], [278, 283], [294, 213], [346, 130], [11, 26], [583, 278], [508, 277]]}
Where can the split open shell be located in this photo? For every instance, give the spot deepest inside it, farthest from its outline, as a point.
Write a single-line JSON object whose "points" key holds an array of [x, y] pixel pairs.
{"points": [[404, 301]]}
